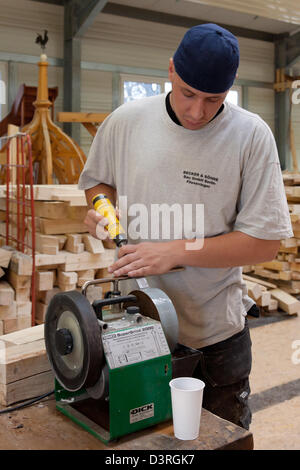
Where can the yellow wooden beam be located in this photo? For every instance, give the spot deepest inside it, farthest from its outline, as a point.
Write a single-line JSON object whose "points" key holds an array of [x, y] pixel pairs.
{"points": [[81, 117]]}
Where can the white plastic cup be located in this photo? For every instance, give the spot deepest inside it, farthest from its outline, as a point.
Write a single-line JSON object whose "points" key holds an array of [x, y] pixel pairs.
{"points": [[186, 395]]}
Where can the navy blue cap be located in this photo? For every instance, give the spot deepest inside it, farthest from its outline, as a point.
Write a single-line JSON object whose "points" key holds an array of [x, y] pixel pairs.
{"points": [[207, 58]]}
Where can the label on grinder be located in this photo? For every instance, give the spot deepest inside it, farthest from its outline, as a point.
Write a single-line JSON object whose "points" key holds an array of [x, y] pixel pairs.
{"points": [[134, 345]]}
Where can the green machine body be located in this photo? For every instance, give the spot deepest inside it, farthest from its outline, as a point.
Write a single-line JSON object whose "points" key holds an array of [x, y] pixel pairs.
{"points": [[113, 366]]}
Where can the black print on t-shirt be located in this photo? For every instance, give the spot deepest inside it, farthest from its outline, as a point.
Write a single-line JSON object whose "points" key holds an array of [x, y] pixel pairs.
{"points": [[201, 179]]}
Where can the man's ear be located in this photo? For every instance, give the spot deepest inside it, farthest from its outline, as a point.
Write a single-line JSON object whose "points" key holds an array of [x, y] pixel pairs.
{"points": [[171, 69]]}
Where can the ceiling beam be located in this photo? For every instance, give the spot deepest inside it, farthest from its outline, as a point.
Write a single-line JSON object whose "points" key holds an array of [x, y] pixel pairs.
{"points": [[183, 21], [293, 49], [53, 2], [159, 17], [81, 14], [89, 10]]}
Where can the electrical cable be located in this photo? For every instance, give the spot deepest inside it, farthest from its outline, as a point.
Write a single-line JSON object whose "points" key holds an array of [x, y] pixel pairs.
{"points": [[23, 405]]}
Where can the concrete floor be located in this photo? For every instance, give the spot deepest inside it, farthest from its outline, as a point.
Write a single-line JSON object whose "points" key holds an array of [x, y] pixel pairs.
{"points": [[275, 384]]}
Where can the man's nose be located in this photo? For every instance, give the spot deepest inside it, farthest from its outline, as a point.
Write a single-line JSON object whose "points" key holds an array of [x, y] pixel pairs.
{"points": [[197, 110]]}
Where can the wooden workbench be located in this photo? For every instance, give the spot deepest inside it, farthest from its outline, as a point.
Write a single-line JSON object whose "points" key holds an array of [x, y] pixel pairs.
{"points": [[42, 427]]}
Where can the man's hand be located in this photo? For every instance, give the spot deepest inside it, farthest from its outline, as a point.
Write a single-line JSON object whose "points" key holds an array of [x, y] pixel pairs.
{"points": [[144, 259], [96, 223]]}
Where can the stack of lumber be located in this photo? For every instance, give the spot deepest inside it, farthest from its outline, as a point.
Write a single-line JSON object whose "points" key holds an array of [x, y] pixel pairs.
{"points": [[269, 297], [284, 270], [66, 254], [25, 371], [15, 286]]}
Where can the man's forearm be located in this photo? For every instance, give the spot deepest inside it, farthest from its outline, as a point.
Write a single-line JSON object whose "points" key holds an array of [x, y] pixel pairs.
{"points": [[229, 250], [109, 191]]}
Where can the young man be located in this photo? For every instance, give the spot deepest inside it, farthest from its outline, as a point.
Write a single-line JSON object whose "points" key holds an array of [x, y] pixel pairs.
{"points": [[192, 148]]}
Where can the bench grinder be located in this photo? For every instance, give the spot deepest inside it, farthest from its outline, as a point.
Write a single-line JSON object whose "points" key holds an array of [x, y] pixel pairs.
{"points": [[113, 359]]}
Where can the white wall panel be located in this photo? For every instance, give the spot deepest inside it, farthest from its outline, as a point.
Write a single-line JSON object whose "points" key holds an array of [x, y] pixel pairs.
{"points": [[22, 20], [96, 96], [118, 41], [136, 43], [261, 101]]}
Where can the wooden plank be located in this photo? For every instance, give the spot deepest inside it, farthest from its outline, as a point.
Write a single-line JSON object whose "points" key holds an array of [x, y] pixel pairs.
{"points": [[264, 300], [18, 281], [35, 333], [275, 265], [46, 296], [286, 302], [84, 276], [40, 312], [44, 280], [285, 275], [23, 308], [259, 281], [8, 312], [266, 273], [81, 117], [66, 278], [295, 266], [87, 260], [273, 305], [5, 257], [254, 290], [26, 388], [23, 294], [7, 293], [49, 260], [92, 244], [55, 227], [74, 243], [21, 263], [45, 192], [10, 325]]}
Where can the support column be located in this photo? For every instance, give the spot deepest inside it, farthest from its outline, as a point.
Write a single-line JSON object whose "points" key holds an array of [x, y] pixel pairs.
{"points": [[78, 16], [282, 108], [245, 97], [72, 70], [12, 83], [116, 99]]}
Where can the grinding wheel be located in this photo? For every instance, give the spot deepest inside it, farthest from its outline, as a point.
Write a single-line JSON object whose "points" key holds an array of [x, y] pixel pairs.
{"points": [[73, 341], [154, 303]]}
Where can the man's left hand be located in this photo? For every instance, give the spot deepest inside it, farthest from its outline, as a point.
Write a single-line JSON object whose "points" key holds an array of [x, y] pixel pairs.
{"points": [[144, 259]]}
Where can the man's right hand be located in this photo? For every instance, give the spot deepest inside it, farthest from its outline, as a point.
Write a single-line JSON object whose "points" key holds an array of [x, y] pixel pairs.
{"points": [[96, 223]]}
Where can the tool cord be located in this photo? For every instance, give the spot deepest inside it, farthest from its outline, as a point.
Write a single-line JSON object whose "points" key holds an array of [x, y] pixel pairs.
{"points": [[27, 403]]}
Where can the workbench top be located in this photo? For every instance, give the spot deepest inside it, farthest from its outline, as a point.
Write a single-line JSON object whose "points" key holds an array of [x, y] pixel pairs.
{"points": [[42, 427]]}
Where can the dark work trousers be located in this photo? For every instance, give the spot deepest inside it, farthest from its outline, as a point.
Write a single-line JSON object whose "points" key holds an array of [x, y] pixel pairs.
{"points": [[224, 367]]}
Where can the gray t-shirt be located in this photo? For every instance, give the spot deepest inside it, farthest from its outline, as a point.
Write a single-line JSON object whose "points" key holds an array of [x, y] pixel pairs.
{"points": [[230, 166]]}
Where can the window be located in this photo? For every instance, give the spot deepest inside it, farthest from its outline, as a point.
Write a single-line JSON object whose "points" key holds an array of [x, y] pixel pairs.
{"points": [[234, 95], [3, 90], [134, 87]]}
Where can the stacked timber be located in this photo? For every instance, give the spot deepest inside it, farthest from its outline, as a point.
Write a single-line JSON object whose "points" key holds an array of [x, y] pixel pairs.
{"points": [[25, 371], [66, 255], [15, 287], [284, 271], [269, 297]]}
